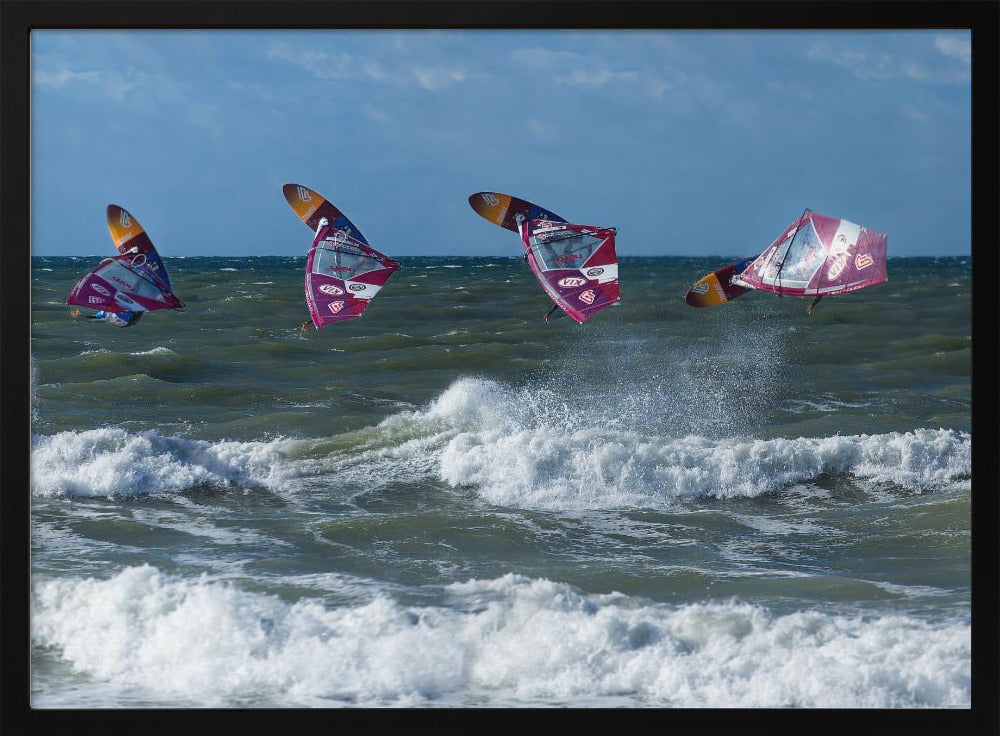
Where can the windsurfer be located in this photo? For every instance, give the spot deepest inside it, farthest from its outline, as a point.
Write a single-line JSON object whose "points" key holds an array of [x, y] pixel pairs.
{"points": [[118, 319]]}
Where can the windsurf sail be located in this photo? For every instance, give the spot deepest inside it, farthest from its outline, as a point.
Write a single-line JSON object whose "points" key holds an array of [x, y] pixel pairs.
{"points": [[576, 264], [125, 283], [818, 255], [343, 275], [129, 237]]}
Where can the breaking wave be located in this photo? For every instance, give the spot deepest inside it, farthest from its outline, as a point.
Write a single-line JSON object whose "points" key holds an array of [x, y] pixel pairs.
{"points": [[513, 448], [144, 634]]}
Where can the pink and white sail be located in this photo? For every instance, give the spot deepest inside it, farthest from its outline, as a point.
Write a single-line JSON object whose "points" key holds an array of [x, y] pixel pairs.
{"points": [[126, 283], [343, 275], [819, 255], [576, 265]]}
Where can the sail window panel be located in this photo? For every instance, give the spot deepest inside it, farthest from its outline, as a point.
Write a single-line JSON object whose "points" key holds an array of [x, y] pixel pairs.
{"points": [[342, 262], [801, 258], [120, 275], [563, 249]]}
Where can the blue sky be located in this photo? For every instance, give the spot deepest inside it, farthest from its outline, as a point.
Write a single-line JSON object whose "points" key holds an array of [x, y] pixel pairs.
{"points": [[689, 142]]}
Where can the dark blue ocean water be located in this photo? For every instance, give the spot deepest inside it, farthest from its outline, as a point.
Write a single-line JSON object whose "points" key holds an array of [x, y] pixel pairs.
{"points": [[449, 502]]}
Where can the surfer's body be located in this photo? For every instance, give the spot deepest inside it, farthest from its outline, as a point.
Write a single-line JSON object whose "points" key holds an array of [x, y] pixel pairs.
{"points": [[118, 319]]}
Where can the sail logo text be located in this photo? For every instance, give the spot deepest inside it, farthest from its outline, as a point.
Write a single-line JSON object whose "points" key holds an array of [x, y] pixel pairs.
{"points": [[304, 194], [490, 199], [863, 260], [595, 272], [357, 287], [125, 219], [588, 296], [101, 290], [331, 290], [571, 282], [837, 267], [96, 299], [700, 288], [335, 307]]}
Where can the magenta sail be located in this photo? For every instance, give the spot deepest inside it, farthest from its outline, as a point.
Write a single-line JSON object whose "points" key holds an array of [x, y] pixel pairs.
{"points": [[819, 255], [343, 275], [126, 283], [576, 265]]}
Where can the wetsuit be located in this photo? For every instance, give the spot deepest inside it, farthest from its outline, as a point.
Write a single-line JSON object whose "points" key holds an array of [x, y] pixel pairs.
{"points": [[118, 319]]}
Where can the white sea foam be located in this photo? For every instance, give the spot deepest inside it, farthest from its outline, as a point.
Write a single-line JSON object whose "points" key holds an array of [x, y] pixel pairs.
{"points": [[158, 350], [533, 450], [113, 462], [522, 448], [203, 642]]}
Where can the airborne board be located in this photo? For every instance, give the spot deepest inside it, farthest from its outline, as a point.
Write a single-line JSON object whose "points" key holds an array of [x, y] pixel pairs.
{"points": [[818, 255], [135, 280], [310, 206], [717, 288], [576, 265], [503, 209], [127, 233]]}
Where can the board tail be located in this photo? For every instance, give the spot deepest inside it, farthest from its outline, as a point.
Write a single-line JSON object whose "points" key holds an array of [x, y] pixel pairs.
{"points": [[504, 210], [129, 237], [310, 206]]}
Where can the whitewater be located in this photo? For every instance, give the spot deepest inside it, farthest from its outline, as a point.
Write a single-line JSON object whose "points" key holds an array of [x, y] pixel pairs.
{"points": [[456, 505]]}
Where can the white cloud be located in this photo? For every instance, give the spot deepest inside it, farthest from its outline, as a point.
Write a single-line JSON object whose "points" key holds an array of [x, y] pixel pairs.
{"points": [[881, 65], [326, 66], [539, 58], [541, 131], [323, 65], [957, 48], [435, 78], [596, 78], [571, 69], [62, 77], [859, 63], [915, 114]]}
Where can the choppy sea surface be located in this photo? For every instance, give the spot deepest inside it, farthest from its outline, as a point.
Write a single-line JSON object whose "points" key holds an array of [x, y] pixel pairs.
{"points": [[451, 503]]}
